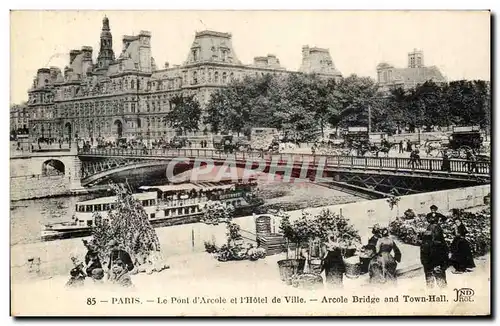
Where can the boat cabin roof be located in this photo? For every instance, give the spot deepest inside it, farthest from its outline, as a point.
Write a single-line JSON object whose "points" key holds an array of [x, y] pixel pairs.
{"points": [[112, 199], [205, 186]]}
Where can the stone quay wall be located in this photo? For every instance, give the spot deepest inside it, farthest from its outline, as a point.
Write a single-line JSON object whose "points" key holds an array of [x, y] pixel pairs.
{"points": [[189, 238], [38, 186]]}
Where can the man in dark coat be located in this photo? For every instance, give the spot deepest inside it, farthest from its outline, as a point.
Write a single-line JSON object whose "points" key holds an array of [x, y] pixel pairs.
{"points": [[434, 255], [119, 254], [435, 215]]}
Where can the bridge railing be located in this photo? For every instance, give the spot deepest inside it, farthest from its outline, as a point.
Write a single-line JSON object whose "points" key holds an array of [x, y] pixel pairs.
{"points": [[385, 163]]}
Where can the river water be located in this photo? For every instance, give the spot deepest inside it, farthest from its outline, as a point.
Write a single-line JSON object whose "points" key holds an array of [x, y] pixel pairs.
{"points": [[28, 216]]}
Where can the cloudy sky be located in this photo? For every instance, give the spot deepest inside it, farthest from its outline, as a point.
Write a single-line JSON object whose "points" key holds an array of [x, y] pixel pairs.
{"points": [[456, 42]]}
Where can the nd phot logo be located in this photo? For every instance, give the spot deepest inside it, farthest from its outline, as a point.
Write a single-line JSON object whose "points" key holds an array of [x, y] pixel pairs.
{"points": [[464, 295]]}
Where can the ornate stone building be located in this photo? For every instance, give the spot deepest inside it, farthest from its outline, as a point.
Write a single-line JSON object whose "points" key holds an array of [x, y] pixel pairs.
{"points": [[19, 118], [128, 95], [417, 73]]}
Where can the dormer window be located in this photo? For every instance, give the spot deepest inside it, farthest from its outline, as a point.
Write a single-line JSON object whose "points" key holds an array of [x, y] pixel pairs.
{"points": [[224, 56], [195, 54]]}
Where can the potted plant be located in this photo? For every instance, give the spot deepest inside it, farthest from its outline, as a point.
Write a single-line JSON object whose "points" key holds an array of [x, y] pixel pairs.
{"points": [[296, 234], [328, 222]]}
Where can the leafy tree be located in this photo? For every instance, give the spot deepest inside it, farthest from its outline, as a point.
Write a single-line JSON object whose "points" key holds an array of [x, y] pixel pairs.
{"points": [[185, 114], [295, 107], [217, 212], [128, 224], [469, 102], [350, 100]]}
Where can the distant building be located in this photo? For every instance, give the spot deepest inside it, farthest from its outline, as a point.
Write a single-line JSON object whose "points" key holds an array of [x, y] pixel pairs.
{"points": [[417, 73], [127, 95], [19, 118]]}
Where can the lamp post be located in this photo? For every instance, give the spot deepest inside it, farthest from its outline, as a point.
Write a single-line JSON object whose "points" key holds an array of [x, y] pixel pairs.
{"points": [[369, 118]]}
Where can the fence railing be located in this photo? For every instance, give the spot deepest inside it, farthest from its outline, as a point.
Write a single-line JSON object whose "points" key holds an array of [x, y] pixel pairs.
{"points": [[325, 161]]}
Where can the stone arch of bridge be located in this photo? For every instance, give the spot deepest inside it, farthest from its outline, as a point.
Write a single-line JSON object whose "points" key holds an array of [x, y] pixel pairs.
{"points": [[53, 167]]}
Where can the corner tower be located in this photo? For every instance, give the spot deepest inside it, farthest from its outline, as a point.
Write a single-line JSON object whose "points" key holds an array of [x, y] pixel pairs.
{"points": [[106, 55]]}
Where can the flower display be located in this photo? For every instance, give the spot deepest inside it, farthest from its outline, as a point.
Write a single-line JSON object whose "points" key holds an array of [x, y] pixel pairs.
{"points": [[478, 225]]}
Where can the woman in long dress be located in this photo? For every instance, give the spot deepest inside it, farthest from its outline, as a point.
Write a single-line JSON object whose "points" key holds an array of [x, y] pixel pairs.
{"points": [[383, 266], [333, 263], [461, 252]]}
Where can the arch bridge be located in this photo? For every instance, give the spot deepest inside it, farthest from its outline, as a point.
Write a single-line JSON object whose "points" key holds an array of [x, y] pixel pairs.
{"points": [[383, 174]]}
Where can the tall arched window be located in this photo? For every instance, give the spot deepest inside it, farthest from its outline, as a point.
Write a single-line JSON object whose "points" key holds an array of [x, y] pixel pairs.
{"points": [[231, 76], [224, 77], [195, 77], [216, 77]]}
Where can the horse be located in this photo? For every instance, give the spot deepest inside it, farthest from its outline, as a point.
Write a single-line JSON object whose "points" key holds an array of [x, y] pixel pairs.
{"points": [[385, 147], [287, 147], [433, 148]]}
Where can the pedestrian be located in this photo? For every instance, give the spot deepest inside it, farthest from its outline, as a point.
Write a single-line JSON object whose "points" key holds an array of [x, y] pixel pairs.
{"points": [[401, 146], [77, 279], [435, 215], [408, 146], [434, 255], [332, 262], [119, 254], [461, 252], [412, 160], [119, 274], [383, 265], [446, 166], [417, 157], [370, 249], [92, 260], [471, 161], [98, 276]]}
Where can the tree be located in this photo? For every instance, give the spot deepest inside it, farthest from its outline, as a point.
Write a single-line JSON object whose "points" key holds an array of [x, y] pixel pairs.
{"points": [[185, 114], [128, 223], [241, 106], [469, 102], [295, 107], [350, 99], [217, 212]]}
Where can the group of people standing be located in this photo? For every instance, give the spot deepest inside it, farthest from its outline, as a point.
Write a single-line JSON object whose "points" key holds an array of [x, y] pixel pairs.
{"points": [[405, 145], [384, 255], [436, 256], [119, 265], [382, 265]]}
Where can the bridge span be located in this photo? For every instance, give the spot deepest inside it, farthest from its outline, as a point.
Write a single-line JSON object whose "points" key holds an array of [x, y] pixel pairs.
{"points": [[381, 174]]}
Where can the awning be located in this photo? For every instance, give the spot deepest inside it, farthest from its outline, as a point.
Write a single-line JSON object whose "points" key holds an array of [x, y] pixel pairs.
{"points": [[205, 186], [173, 187]]}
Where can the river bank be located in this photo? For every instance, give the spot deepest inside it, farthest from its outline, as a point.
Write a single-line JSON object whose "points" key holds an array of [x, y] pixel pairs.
{"points": [[190, 238], [198, 275]]}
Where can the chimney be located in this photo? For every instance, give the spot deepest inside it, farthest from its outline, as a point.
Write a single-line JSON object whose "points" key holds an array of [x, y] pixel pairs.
{"points": [[72, 55], [305, 52]]}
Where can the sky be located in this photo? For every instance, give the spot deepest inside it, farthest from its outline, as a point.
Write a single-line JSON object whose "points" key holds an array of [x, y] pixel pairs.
{"points": [[457, 42]]}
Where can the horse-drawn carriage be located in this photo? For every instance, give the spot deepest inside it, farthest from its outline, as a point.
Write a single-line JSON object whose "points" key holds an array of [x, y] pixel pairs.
{"points": [[462, 140], [178, 142], [230, 143], [360, 142]]}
